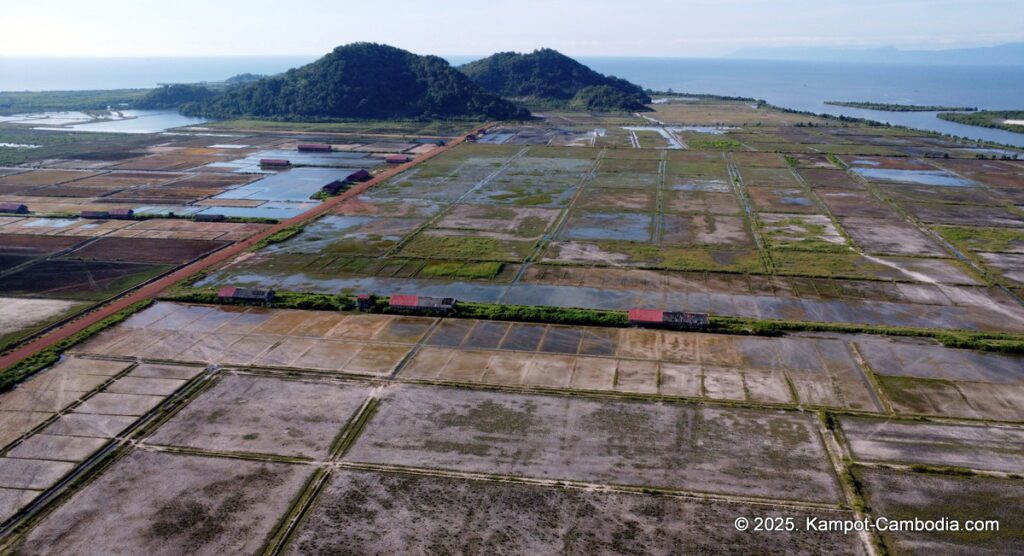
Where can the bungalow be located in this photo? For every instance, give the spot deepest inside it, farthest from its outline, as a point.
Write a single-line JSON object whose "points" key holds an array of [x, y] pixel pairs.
{"points": [[396, 159], [673, 320], [245, 294], [422, 304], [15, 208]]}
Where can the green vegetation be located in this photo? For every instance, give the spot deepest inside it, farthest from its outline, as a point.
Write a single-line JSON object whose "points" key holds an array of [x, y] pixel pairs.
{"points": [[32, 364], [466, 248], [278, 237], [983, 239], [827, 265], [722, 144], [888, 107], [411, 128], [361, 80], [49, 144], [602, 98], [551, 78], [837, 162], [173, 96], [46, 101], [454, 269], [988, 118]]}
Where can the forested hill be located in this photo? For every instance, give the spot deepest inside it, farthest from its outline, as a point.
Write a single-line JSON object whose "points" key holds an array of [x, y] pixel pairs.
{"points": [[548, 75], [173, 96], [362, 80]]}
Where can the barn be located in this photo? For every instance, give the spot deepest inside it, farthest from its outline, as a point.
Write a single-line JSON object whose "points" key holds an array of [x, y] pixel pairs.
{"points": [[231, 293], [122, 214], [16, 208], [314, 147], [275, 163]]}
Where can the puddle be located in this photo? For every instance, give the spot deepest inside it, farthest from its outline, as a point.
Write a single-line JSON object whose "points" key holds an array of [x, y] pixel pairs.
{"points": [[710, 186], [921, 177], [609, 225], [51, 223]]}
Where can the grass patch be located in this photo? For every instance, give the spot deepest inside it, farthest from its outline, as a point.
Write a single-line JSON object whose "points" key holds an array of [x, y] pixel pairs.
{"points": [[453, 269], [983, 239], [466, 248], [34, 363], [827, 265], [278, 237], [719, 144]]}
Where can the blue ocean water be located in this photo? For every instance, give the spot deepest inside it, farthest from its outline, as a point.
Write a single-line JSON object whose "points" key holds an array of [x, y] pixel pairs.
{"points": [[807, 85], [797, 85]]}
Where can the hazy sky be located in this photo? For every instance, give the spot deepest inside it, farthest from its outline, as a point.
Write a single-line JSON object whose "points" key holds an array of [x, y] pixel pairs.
{"points": [[576, 27]]}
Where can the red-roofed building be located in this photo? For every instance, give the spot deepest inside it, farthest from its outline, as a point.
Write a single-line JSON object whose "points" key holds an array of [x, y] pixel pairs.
{"points": [[646, 316], [422, 304], [396, 159]]}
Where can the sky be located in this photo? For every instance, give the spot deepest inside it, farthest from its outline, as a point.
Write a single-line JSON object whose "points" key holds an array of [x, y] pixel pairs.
{"points": [[675, 28]]}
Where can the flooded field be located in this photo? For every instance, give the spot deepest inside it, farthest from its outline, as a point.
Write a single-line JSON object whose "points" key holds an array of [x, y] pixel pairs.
{"points": [[252, 429], [524, 223]]}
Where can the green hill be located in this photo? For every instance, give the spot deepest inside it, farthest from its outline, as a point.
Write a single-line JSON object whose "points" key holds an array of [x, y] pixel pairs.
{"points": [[550, 77], [361, 81]]}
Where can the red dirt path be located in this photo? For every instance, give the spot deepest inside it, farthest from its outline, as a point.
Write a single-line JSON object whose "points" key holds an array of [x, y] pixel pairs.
{"points": [[153, 289]]}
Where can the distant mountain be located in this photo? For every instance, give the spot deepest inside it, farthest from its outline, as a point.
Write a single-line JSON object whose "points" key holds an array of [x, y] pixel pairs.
{"points": [[363, 81], [547, 75], [173, 96], [1005, 55]]}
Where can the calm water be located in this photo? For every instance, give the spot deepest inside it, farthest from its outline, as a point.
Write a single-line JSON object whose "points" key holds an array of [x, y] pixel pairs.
{"points": [[807, 85], [797, 85]]}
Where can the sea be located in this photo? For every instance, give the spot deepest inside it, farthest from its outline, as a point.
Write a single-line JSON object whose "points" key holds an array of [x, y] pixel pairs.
{"points": [[797, 85]]}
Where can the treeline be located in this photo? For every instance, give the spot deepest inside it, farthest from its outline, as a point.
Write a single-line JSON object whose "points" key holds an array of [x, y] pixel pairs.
{"points": [[995, 119], [887, 107], [47, 101]]}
